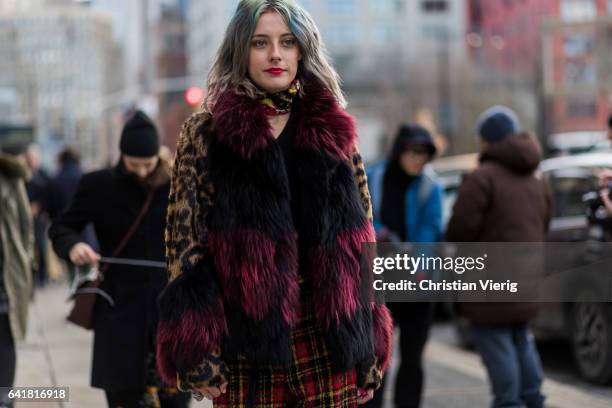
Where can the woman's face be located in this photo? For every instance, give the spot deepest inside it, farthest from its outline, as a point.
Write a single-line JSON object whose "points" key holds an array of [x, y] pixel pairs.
{"points": [[274, 54], [413, 159]]}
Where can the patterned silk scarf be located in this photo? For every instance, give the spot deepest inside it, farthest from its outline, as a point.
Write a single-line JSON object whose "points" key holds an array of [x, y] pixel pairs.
{"points": [[279, 103]]}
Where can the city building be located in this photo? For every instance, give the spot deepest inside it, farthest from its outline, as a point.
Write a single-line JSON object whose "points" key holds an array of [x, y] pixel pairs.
{"points": [[577, 66], [151, 36], [56, 69], [504, 35], [171, 63]]}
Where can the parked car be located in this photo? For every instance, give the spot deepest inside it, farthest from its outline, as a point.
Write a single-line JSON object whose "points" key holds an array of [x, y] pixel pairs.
{"points": [[576, 142], [587, 325]]}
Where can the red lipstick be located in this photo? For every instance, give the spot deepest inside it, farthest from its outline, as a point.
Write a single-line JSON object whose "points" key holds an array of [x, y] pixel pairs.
{"points": [[275, 71]]}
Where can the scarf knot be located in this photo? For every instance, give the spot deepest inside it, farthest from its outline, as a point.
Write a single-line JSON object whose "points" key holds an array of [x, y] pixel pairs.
{"points": [[279, 103]]}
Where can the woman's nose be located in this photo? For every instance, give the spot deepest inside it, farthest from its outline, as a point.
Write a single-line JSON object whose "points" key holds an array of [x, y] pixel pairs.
{"points": [[275, 52]]}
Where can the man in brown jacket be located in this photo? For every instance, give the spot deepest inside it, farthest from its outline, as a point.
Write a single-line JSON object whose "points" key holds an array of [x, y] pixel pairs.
{"points": [[504, 200]]}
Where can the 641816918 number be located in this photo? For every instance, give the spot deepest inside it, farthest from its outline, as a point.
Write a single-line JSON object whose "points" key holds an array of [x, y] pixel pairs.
{"points": [[37, 393]]}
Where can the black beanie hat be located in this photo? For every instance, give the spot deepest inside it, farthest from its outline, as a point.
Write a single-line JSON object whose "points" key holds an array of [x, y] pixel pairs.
{"points": [[139, 137], [412, 135]]}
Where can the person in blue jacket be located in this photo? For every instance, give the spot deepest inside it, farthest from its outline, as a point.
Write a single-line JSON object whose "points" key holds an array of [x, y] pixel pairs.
{"points": [[407, 206]]}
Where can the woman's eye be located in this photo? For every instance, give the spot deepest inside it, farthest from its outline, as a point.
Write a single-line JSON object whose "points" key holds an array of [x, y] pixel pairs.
{"points": [[289, 42], [259, 43]]}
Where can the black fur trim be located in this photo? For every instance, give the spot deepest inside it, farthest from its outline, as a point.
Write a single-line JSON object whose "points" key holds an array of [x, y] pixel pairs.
{"points": [[196, 289], [350, 340]]}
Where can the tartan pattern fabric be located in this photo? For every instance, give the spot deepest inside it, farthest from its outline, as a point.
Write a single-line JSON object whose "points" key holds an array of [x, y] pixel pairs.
{"points": [[310, 381]]}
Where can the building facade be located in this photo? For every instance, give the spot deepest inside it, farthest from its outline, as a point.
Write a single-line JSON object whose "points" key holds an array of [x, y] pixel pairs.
{"points": [[504, 35], [577, 66], [171, 61], [56, 69]]}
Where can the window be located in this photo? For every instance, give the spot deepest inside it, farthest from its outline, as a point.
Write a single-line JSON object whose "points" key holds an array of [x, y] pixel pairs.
{"points": [[434, 6], [341, 7], [578, 44], [384, 7], [569, 190], [384, 33], [579, 74], [578, 10], [610, 7], [581, 108], [341, 34]]}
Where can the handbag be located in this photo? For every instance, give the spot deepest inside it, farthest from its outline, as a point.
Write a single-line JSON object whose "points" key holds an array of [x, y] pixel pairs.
{"points": [[88, 287]]}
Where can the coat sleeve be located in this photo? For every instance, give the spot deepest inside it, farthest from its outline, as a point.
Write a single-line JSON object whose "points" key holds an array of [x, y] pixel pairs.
{"points": [[66, 230], [468, 212], [431, 222], [381, 317], [192, 319], [362, 182], [26, 224]]}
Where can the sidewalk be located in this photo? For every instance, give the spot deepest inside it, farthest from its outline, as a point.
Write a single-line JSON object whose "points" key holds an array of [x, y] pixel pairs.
{"points": [[456, 378], [57, 353]]}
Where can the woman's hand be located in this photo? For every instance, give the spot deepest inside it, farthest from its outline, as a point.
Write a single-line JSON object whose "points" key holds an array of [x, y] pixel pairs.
{"points": [[207, 380], [364, 396], [82, 254], [210, 392]]}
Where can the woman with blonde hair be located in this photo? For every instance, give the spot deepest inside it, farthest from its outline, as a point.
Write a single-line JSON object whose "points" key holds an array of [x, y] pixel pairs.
{"points": [[269, 209]]}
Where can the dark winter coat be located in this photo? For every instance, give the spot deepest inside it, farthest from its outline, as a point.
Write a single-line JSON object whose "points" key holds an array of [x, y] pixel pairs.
{"points": [[62, 187], [232, 245], [111, 199], [503, 200]]}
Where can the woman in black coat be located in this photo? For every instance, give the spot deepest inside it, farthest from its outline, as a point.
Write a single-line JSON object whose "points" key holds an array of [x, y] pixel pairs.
{"points": [[110, 199]]}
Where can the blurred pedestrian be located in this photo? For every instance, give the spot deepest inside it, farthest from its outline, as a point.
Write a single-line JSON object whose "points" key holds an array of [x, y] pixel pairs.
{"points": [[64, 184], [268, 210], [407, 203], [16, 256], [60, 191], [124, 325], [490, 207], [37, 190]]}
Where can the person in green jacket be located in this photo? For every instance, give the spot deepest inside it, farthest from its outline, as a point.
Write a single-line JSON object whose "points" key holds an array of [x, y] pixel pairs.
{"points": [[16, 254]]}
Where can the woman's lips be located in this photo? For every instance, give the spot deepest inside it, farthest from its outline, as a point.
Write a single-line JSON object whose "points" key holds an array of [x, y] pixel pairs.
{"points": [[275, 71]]}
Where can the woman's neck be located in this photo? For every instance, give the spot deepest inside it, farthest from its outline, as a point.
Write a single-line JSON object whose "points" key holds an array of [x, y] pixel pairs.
{"points": [[277, 124]]}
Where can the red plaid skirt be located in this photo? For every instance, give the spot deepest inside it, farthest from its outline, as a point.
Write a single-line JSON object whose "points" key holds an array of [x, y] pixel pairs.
{"points": [[310, 381]]}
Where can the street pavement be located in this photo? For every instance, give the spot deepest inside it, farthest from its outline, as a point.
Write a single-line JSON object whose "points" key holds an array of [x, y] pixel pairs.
{"points": [[56, 353]]}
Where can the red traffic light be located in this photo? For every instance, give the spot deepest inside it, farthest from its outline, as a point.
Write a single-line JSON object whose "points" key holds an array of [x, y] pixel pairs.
{"points": [[194, 95]]}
